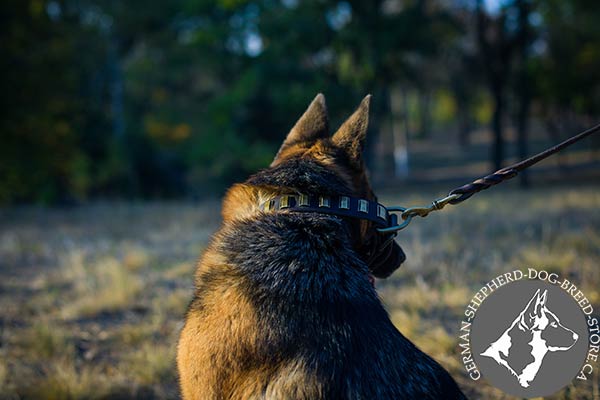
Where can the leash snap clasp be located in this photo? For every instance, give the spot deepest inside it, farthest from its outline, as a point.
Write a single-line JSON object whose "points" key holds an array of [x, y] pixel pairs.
{"points": [[407, 214]]}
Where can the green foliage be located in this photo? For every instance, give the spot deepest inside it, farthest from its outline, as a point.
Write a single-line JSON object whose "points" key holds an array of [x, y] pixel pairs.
{"points": [[42, 73], [569, 71], [445, 109], [110, 98]]}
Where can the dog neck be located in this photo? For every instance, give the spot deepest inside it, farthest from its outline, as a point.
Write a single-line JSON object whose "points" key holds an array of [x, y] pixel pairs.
{"points": [[293, 176], [268, 188], [538, 351]]}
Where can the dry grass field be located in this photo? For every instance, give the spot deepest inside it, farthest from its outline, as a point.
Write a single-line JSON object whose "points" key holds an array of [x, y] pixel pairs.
{"points": [[92, 298]]}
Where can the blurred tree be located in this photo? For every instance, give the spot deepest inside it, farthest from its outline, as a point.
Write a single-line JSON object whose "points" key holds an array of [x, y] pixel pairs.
{"points": [[497, 43], [46, 101], [463, 61], [388, 47], [567, 68], [111, 98], [524, 77]]}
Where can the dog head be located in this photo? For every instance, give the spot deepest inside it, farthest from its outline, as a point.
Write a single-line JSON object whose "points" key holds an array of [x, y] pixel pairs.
{"points": [[537, 317], [341, 154], [309, 140]]}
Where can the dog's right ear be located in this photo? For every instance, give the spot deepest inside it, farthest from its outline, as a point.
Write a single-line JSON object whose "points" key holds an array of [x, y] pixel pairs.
{"points": [[351, 136], [312, 125]]}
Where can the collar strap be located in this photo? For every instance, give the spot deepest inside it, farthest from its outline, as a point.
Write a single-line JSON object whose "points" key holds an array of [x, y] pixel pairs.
{"points": [[345, 206]]}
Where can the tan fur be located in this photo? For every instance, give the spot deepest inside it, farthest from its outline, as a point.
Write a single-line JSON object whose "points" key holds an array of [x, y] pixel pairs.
{"points": [[222, 331], [243, 201], [215, 335], [218, 335]]}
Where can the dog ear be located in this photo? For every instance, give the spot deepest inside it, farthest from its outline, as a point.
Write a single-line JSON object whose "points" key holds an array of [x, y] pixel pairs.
{"points": [[312, 125], [352, 134], [540, 303], [529, 312]]}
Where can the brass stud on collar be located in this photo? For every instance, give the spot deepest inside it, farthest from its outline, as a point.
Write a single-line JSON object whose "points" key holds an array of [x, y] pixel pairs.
{"points": [[324, 201], [344, 203], [269, 205], [363, 206], [381, 211], [303, 200], [284, 202]]}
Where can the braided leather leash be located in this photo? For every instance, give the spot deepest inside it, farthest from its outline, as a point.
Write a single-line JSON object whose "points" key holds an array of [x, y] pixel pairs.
{"points": [[464, 192]]}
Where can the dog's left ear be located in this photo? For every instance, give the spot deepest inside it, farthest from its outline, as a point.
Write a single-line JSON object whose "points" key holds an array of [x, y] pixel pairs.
{"points": [[312, 125], [353, 133]]}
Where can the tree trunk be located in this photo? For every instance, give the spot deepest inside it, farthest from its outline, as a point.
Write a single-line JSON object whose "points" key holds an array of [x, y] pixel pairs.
{"points": [[497, 50], [523, 89], [116, 89], [464, 122]]}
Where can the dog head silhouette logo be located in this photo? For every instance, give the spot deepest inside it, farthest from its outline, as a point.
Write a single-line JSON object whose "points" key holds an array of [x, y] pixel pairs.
{"points": [[529, 339], [545, 333]]}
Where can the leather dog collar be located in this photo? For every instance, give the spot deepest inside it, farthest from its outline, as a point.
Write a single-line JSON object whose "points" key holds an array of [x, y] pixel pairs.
{"points": [[345, 206]]}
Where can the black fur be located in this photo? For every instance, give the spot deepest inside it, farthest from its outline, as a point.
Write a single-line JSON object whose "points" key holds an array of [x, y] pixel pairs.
{"points": [[304, 176], [314, 301]]}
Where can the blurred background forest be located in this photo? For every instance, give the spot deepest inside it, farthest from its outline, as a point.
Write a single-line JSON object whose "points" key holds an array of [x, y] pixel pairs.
{"points": [[137, 99], [141, 113]]}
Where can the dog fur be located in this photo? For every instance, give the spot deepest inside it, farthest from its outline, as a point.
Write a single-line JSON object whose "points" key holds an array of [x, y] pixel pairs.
{"points": [[283, 306]]}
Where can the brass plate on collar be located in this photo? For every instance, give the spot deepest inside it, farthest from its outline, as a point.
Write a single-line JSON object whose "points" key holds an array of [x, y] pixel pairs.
{"points": [[324, 201], [363, 206]]}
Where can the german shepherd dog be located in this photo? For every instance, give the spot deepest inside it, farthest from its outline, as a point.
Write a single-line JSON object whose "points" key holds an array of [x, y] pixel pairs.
{"points": [[284, 307]]}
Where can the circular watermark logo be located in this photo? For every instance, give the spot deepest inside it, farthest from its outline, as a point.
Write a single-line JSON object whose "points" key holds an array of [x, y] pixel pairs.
{"points": [[529, 333]]}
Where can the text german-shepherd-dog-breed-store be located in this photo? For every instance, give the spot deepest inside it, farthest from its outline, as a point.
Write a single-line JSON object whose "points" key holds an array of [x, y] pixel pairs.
{"points": [[284, 306]]}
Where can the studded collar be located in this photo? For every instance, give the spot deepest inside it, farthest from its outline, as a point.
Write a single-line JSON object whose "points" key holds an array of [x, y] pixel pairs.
{"points": [[337, 205]]}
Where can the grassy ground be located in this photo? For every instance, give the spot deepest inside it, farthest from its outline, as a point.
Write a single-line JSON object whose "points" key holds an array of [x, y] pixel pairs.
{"points": [[91, 299]]}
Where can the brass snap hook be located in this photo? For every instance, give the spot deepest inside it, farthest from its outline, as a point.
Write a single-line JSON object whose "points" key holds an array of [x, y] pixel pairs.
{"points": [[407, 214]]}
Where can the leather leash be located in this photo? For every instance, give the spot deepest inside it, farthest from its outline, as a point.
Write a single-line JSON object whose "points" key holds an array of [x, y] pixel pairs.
{"points": [[464, 192]]}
